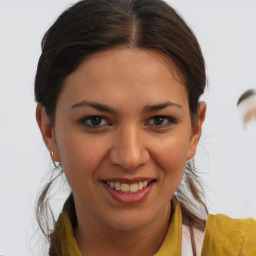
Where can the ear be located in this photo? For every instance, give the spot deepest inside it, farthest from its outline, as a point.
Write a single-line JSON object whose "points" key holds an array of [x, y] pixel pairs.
{"points": [[47, 131], [196, 130]]}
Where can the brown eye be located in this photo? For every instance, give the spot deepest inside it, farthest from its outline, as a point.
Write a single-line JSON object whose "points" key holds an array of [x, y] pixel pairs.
{"points": [[94, 121], [161, 121]]}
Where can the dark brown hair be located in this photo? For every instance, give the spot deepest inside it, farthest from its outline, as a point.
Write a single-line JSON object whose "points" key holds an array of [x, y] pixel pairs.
{"points": [[90, 26]]}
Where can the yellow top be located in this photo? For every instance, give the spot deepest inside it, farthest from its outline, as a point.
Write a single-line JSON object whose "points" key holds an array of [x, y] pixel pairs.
{"points": [[226, 236], [223, 236]]}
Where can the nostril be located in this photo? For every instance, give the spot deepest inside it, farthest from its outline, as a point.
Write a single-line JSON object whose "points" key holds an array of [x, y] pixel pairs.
{"points": [[129, 158]]}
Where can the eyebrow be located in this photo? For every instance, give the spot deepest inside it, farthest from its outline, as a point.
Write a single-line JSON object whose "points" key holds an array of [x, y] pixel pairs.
{"points": [[95, 105], [150, 108], [105, 108]]}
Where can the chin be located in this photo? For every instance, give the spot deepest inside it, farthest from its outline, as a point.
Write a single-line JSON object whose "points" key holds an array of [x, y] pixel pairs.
{"points": [[128, 220]]}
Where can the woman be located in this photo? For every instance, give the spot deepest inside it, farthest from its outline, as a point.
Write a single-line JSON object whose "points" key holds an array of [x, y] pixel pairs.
{"points": [[118, 86]]}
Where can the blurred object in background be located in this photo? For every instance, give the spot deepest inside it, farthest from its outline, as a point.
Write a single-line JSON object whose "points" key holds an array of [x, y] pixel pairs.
{"points": [[247, 107]]}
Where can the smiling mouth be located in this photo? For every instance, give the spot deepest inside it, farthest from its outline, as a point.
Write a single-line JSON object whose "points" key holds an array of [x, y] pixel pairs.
{"points": [[129, 188]]}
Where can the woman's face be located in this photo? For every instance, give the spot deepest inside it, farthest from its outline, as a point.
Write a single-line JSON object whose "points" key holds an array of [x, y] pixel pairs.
{"points": [[123, 135]]}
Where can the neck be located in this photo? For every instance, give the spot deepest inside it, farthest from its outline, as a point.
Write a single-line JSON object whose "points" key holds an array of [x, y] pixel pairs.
{"points": [[95, 238]]}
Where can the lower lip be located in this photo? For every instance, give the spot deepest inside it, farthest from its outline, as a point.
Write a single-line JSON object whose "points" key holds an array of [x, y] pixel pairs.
{"points": [[129, 198]]}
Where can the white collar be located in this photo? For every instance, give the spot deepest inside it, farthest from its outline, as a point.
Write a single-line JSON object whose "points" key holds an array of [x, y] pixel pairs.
{"points": [[186, 246]]}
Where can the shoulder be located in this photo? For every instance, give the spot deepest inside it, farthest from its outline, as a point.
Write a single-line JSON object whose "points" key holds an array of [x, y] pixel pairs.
{"points": [[227, 236]]}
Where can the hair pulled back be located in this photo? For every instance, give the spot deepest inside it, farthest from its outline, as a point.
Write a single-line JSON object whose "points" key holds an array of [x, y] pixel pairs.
{"points": [[90, 26]]}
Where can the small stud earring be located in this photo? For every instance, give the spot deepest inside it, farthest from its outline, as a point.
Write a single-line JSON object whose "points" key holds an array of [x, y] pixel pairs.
{"points": [[52, 153]]}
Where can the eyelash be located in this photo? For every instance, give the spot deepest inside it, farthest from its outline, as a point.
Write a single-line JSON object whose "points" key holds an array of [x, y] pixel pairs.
{"points": [[84, 120], [170, 120]]}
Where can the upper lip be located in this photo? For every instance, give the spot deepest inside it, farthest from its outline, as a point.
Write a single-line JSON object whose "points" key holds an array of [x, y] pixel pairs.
{"points": [[129, 181]]}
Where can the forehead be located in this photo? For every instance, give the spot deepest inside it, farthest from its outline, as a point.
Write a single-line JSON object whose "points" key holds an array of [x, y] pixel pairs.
{"points": [[126, 73], [123, 60]]}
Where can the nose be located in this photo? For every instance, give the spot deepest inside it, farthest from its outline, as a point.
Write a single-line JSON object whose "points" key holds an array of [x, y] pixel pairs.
{"points": [[129, 150]]}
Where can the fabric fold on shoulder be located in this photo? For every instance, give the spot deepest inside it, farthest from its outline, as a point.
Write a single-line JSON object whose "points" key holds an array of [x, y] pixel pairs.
{"points": [[226, 236], [65, 233]]}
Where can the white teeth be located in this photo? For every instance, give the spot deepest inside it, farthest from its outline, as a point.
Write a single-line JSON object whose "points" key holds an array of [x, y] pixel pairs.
{"points": [[140, 185], [133, 188], [117, 186], [124, 187]]}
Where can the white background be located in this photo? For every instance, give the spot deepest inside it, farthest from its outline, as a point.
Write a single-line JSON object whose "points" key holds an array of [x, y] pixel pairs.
{"points": [[226, 30]]}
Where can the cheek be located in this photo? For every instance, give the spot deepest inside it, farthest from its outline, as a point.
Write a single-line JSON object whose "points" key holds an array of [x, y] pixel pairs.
{"points": [[172, 162], [171, 158], [172, 152], [80, 157]]}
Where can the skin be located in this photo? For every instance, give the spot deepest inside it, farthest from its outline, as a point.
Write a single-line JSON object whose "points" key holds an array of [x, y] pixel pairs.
{"points": [[128, 143]]}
